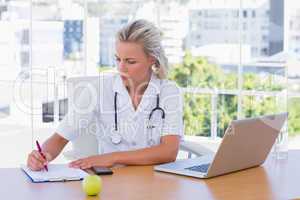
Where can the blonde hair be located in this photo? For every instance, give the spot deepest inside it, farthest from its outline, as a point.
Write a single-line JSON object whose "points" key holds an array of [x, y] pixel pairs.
{"points": [[150, 37]]}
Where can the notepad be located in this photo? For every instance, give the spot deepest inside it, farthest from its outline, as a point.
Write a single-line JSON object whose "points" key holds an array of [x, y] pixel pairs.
{"points": [[56, 172]]}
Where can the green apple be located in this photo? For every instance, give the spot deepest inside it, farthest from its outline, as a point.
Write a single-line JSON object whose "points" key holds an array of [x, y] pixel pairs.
{"points": [[92, 185]]}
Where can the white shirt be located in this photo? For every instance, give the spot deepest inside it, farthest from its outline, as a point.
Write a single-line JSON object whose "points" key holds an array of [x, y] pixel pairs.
{"points": [[94, 113]]}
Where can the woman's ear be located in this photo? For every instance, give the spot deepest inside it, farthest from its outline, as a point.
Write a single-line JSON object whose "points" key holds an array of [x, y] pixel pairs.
{"points": [[152, 60]]}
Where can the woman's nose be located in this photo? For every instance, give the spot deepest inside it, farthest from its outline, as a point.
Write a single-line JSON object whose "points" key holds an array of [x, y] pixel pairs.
{"points": [[122, 66]]}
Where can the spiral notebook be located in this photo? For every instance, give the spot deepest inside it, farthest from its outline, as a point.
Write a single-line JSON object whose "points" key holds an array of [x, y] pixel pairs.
{"points": [[56, 172]]}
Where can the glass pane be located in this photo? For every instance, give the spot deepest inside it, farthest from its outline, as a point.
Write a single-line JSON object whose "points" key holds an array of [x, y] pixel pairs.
{"points": [[211, 48], [57, 54], [264, 74], [14, 40], [292, 56], [49, 106], [15, 101], [15, 122], [197, 114], [294, 116], [104, 19], [254, 106], [226, 112], [57, 36]]}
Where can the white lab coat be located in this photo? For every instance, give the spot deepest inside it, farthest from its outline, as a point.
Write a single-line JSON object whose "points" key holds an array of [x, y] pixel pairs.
{"points": [[93, 113]]}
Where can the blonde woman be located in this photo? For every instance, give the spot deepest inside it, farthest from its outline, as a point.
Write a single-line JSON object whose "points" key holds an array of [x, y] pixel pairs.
{"points": [[138, 113]]}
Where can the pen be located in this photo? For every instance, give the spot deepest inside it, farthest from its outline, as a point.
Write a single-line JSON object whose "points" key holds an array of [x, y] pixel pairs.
{"points": [[40, 150]]}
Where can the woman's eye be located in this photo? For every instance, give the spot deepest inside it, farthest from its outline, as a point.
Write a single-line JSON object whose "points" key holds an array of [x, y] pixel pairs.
{"points": [[118, 59], [131, 62]]}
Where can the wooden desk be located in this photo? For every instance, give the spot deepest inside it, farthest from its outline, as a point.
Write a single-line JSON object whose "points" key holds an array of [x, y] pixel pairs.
{"points": [[276, 179]]}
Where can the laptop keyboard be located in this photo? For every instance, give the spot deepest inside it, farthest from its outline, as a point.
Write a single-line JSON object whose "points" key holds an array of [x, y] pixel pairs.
{"points": [[199, 168]]}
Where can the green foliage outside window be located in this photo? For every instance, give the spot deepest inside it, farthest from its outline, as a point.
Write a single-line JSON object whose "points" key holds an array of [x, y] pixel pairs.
{"points": [[197, 72], [294, 116]]}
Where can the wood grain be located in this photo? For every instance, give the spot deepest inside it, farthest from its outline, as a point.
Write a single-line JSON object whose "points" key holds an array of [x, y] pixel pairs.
{"points": [[276, 179]]}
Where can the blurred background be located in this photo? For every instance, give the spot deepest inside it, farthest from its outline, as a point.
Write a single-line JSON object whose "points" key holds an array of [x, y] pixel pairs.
{"points": [[232, 58]]}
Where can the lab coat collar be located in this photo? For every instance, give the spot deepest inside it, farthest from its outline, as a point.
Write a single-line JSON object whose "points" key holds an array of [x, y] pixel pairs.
{"points": [[153, 87]]}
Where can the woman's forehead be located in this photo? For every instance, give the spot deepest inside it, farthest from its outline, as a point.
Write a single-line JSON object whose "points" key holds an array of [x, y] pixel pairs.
{"points": [[129, 49]]}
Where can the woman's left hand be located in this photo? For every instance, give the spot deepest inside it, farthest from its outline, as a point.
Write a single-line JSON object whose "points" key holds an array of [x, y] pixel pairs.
{"points": [[105, 160]]}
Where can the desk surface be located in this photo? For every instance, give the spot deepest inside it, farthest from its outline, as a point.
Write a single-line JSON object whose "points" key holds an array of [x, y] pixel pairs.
{"points": [[276, 179]]}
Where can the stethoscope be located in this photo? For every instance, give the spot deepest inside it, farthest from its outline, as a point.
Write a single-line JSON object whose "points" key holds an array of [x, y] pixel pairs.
{"points": [[116, 137]]}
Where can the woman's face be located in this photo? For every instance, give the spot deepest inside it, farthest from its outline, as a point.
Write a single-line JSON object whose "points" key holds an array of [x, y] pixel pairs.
{"points": [[133, 63]]}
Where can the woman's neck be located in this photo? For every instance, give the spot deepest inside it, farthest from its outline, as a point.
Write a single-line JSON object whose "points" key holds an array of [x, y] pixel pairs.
{"points": [[138, 87], [137, 90]]}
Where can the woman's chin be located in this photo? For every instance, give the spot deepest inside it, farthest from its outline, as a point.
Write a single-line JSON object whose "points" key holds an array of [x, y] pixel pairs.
{"points": [[124, 78]]}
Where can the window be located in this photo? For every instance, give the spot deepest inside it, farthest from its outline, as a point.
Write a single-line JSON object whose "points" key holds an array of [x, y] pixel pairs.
{"points": [[25, 37], [253, 14], [291, 25], [24, 59], [264, 51], [245, 13], [224, 75], [48, 110], [235, 13], [235, 26], [264, 38], [254, 50], [245, 26]]}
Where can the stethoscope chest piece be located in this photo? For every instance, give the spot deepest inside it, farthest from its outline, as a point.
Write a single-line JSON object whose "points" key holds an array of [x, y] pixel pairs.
{"points": [[116, 138], [151, 142]]}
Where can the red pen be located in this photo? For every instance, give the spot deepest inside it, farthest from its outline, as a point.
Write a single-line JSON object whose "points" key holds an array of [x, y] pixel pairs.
{"points": [[40, 150]]}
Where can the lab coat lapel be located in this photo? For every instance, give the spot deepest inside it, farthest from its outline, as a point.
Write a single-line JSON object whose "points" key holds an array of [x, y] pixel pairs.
{"points": [[148, 101], [123, 98]]}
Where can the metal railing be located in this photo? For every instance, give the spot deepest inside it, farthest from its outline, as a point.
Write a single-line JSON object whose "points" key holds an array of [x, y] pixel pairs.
{"points": [[214, 95]]}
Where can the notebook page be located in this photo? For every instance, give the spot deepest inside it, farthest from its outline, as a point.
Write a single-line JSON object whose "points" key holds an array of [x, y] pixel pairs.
{"points": [[56, 172]]}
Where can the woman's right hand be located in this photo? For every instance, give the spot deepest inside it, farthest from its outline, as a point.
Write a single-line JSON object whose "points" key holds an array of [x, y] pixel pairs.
{"points": [[35, 160]]}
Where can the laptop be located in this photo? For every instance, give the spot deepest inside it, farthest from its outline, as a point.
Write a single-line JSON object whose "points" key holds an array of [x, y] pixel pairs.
{"points": [[246, 144]]}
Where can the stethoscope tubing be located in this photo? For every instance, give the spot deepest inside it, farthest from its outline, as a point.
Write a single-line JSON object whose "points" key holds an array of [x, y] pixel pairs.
{"points": [[156, 108]]}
